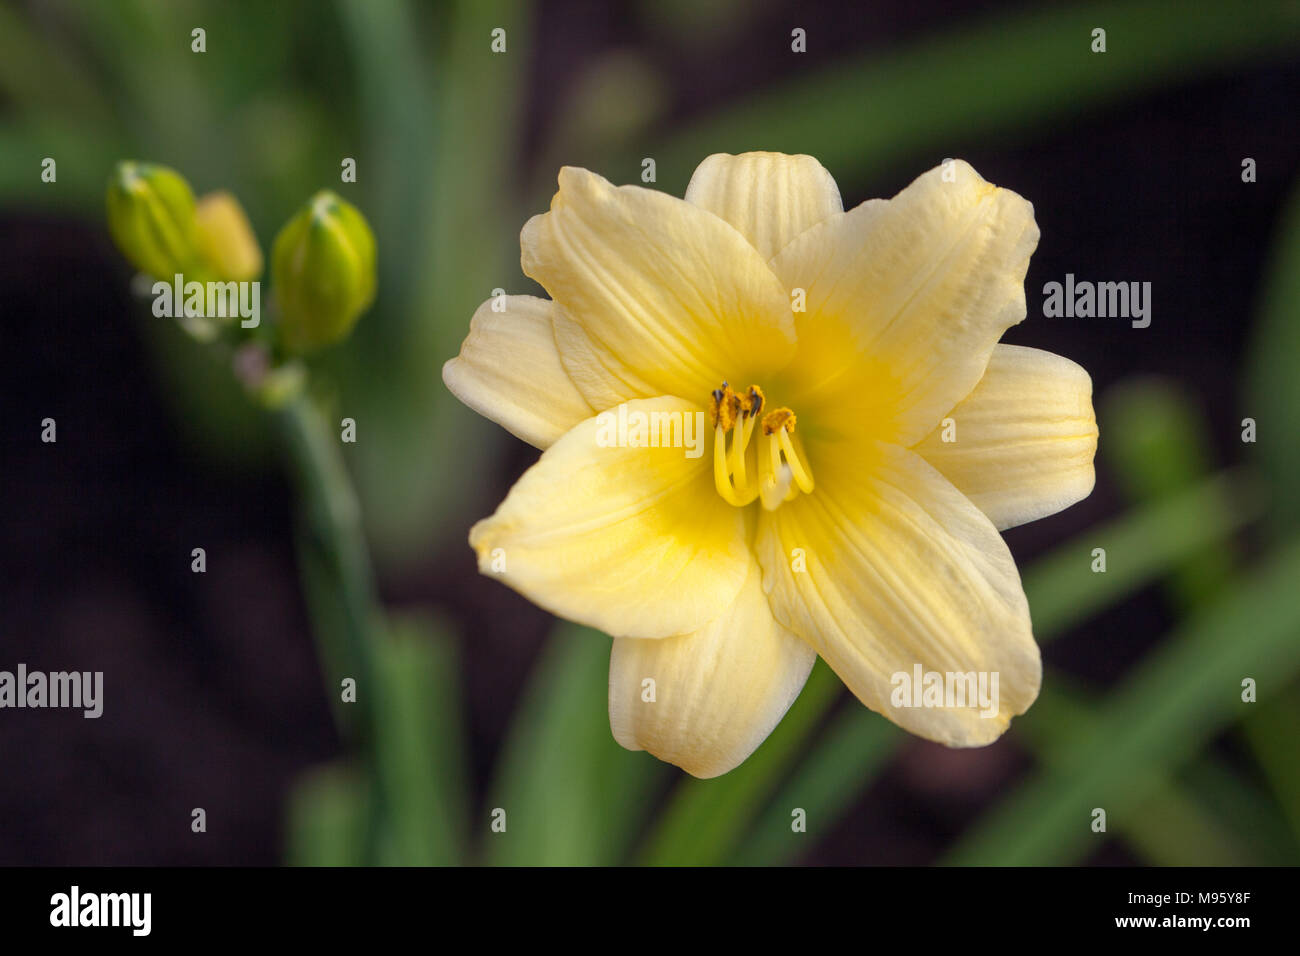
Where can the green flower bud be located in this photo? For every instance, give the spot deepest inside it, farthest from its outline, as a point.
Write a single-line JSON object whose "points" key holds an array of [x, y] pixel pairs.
{"points": [[323, 272], [151, 216]]}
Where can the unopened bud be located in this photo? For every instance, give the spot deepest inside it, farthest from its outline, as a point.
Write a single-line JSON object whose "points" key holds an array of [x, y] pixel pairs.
{"points": [[226, 242], [322, 272], [152, 218]]}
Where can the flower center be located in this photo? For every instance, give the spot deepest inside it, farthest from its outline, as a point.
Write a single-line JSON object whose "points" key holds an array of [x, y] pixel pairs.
{"points": [[768, 468]]}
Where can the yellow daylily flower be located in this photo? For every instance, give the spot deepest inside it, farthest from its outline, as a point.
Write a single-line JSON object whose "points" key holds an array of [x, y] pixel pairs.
{"points": [[854, 474]]}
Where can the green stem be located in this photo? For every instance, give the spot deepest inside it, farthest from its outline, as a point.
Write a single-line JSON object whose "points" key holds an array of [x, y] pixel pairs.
{"points": [[338, 580]]}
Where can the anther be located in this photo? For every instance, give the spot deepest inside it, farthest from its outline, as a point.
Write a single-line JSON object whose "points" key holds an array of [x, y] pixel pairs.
{"points": [[722, 411], [778, 419]]}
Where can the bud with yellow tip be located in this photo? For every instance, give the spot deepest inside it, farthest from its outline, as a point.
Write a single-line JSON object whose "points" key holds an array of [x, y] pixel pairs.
{"points": [[152, 218], [226, 242], [323, 272]]}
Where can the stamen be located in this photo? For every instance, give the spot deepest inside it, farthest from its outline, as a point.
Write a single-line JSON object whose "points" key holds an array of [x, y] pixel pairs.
{"points": [[801, 474], [778, 418], [781, 474], [726, 405], [739, 448], [721, 480]]}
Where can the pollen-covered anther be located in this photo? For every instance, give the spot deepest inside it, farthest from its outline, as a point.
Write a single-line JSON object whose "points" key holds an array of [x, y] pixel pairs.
{"points": [[770, 468], [725, 407], [778, 418]]}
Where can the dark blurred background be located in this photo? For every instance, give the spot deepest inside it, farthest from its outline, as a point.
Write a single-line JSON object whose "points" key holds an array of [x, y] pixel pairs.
{"points": [[213, 692]]}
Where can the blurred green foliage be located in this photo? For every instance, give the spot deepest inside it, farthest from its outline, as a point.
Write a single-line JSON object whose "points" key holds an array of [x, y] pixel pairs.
{"points": [[436, 126]]}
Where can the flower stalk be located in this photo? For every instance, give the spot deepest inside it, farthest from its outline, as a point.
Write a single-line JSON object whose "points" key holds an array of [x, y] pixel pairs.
{"points": [[323, 276], [339, 586]]}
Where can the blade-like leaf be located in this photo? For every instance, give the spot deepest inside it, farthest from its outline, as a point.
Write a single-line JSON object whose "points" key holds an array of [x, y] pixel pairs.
{"points": [[1272, 397], [1030, 68], [327, 818], [571, 796], [1172, 704], [417, 744]]}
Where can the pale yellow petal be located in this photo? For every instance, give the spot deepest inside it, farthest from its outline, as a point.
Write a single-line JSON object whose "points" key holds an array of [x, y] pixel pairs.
{"points": [[668, 298], [769, 197], [906, 298], [895, 568], [600, 377], [705, 701], [509, 370], [1022, 443], [631, 540]]}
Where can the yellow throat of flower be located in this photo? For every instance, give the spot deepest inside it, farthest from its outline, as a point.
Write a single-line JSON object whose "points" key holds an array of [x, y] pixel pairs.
{"points": [[770, 467]]}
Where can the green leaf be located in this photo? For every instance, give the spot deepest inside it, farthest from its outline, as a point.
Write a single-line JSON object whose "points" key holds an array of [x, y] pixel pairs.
{"points": [[1140, 547], [1174, 702], [442, 144], [1273, 388], [1157, 445], [38, 77], [844, 762], [418, 744], [1159, 826], [1031, 68], [571, 795], [1172, 828], [1271, 734], [1155, 439], [327, 819], [26, 141], [1231, 798]]}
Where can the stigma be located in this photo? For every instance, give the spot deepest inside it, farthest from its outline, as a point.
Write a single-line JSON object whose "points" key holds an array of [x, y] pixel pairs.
{"points": [[749, 466]]}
